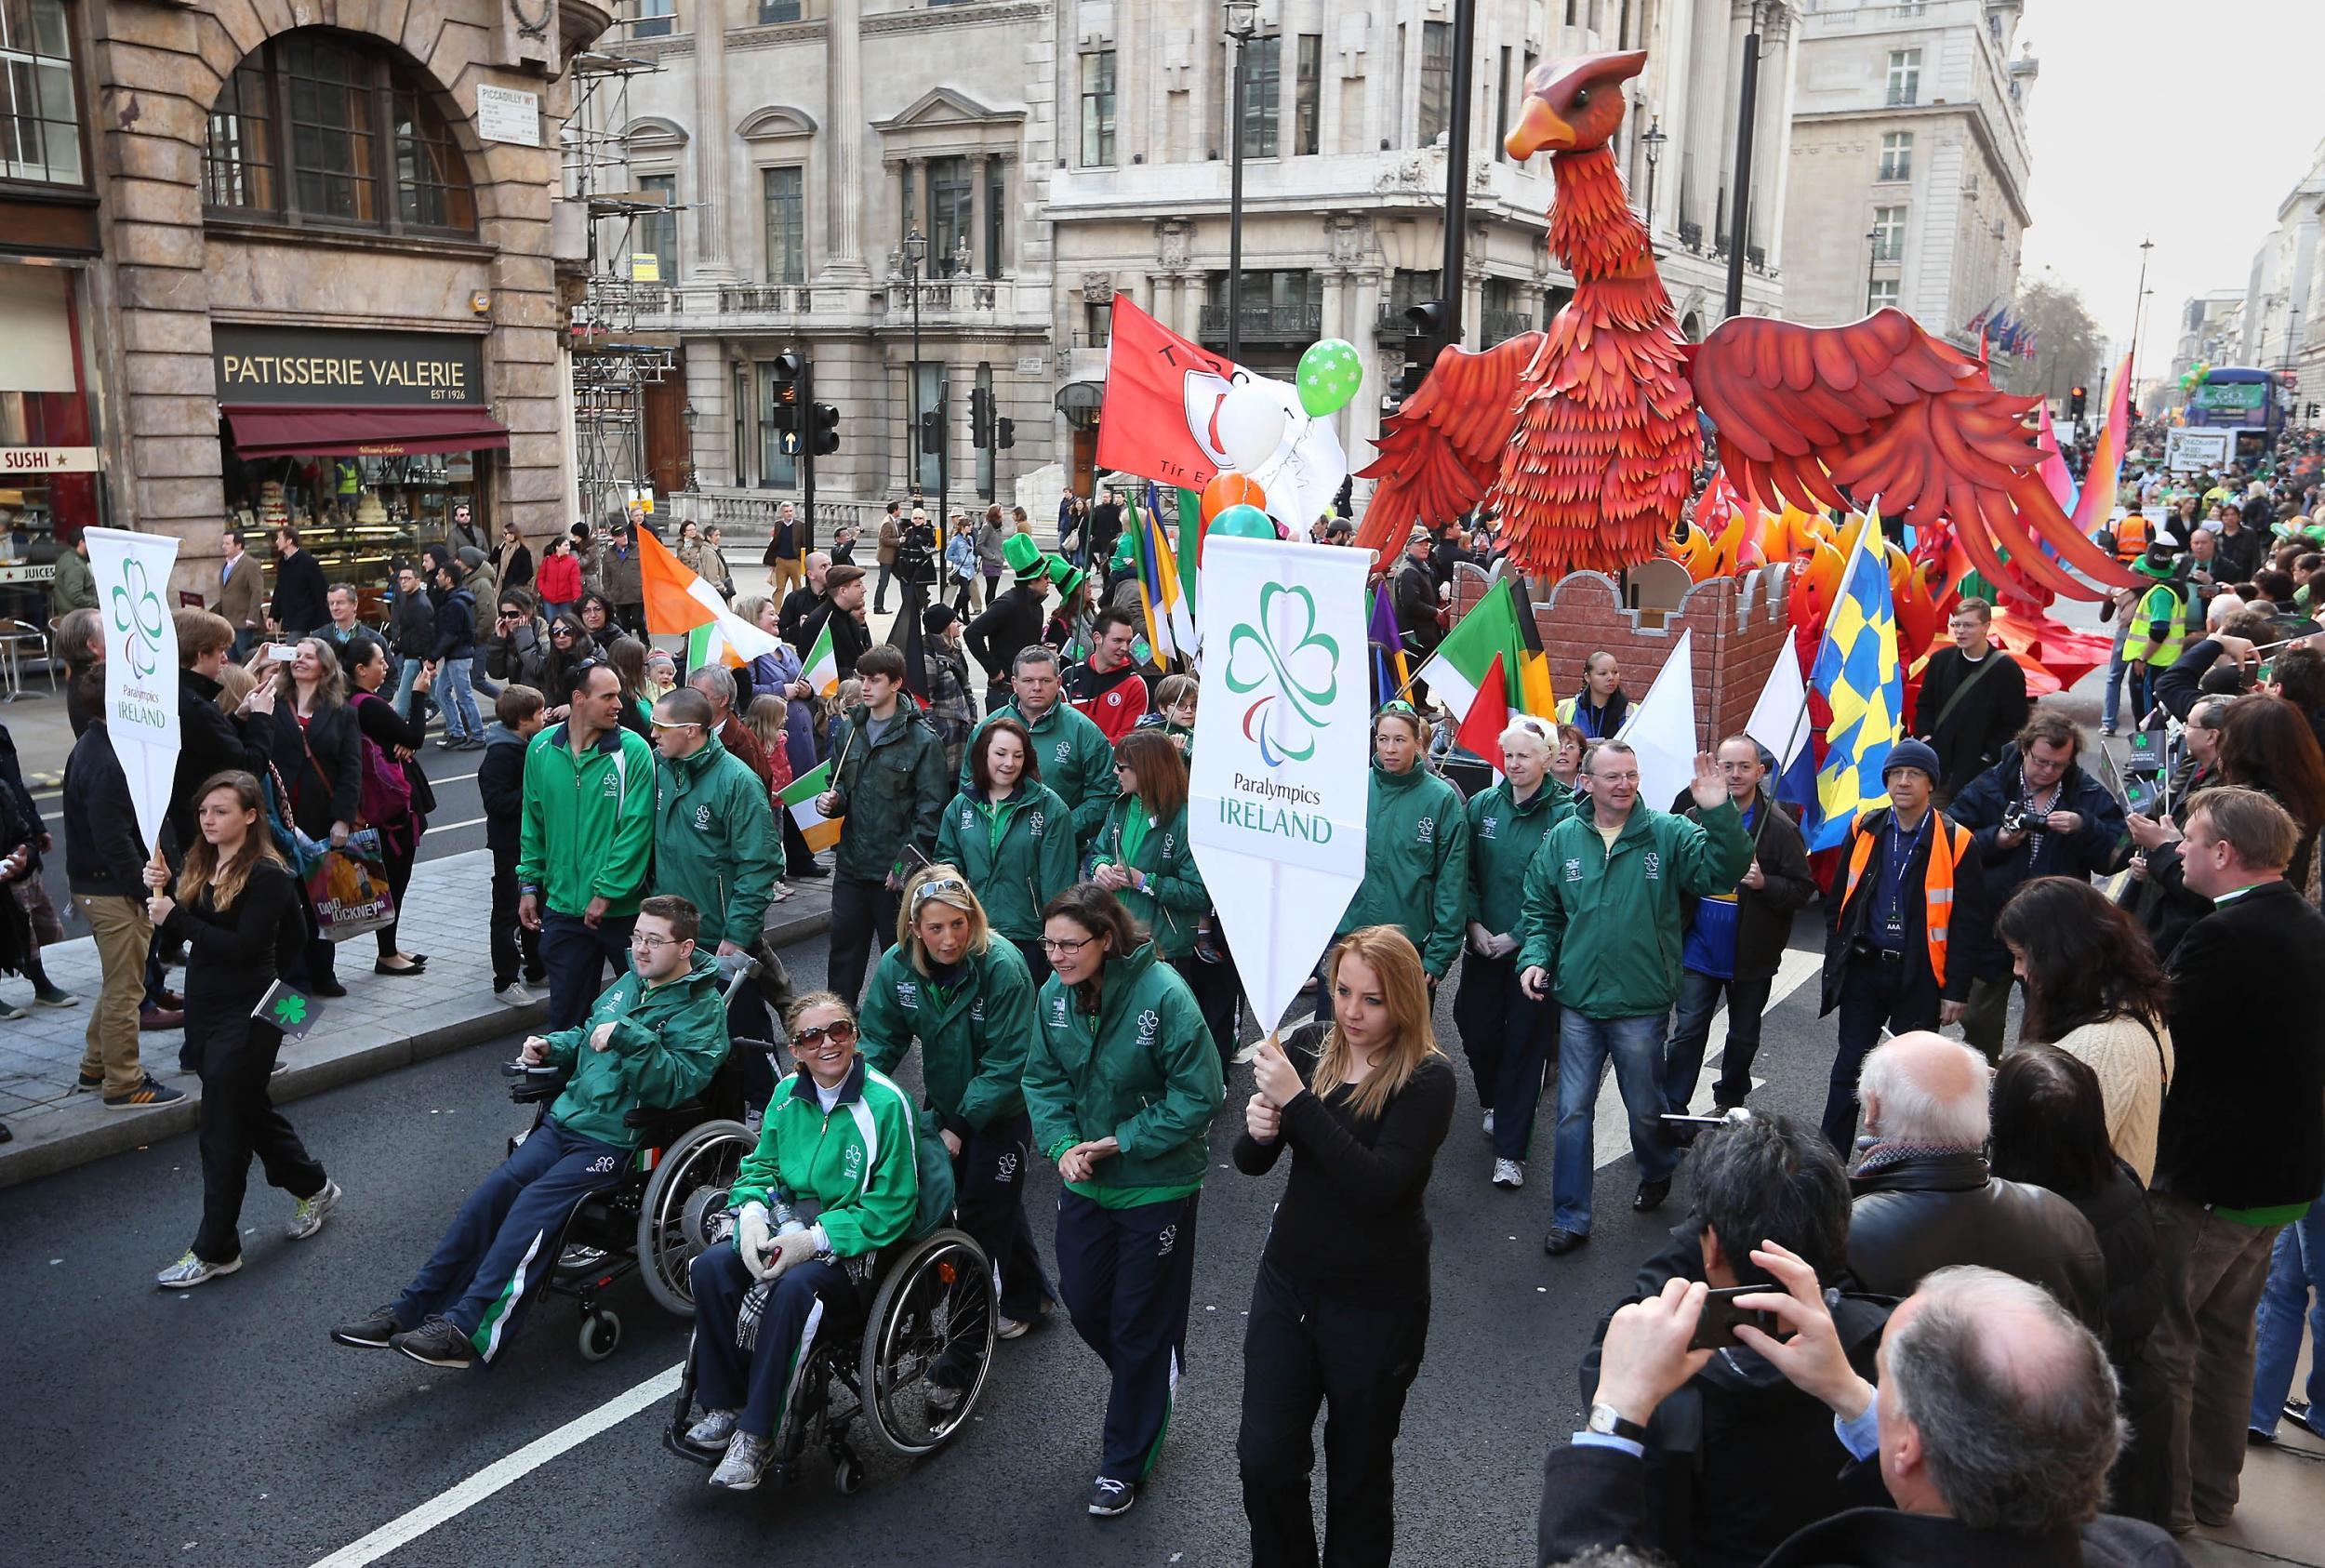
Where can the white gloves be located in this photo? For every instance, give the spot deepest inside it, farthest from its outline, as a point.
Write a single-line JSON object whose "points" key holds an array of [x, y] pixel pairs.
{"points": [[793, 1247], [751, 1240]]}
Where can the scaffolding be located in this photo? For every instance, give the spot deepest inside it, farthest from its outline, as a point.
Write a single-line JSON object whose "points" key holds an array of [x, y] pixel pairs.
{"points": [[613, 362]]}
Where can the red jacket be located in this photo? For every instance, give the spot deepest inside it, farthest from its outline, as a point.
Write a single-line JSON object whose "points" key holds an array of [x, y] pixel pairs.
{"points": [[561, 580], [1115, 701]]}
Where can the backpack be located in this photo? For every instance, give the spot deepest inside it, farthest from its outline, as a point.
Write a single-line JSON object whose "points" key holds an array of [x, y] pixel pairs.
{"points": [[387, 792], [936, 1195]]}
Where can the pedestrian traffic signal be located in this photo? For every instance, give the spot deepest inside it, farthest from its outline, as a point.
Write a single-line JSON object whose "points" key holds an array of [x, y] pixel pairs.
{"points": [[932, 432], [1006, 434], [1424, 341], [980, 418], [823, 428], [2075, 398], [783, 393]]}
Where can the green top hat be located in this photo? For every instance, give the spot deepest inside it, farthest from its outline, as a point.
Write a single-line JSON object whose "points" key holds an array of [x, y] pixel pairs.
{"points": [[1023, 555], [1065, 574]]}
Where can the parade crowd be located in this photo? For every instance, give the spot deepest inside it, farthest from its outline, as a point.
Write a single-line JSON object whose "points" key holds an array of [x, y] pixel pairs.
{"points": [[2025, 1294]]}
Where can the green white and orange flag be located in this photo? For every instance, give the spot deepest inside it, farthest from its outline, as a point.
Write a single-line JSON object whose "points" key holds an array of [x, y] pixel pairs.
{"points": [[799, 798], [822, 671], [679, 603]]}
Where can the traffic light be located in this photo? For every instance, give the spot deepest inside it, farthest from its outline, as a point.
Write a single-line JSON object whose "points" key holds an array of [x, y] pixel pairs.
{"points": [[1006, 434], [2075, 398], [823, 428], [1423, 342], [783, 395], [980, 418], [932, 432]]}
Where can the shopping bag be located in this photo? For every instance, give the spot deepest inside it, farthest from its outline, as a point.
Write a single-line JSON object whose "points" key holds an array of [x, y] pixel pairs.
{"points": [[348, 887]]}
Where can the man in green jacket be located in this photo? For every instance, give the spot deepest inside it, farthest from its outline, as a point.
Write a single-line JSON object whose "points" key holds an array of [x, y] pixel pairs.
{"points": [[888, 793], [715, 845], [1076, 759], [75, 586], [585, 841], [653, 1039], [1603, 931]]}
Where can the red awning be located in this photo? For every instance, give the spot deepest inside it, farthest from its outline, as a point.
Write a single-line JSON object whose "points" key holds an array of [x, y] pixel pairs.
{"points": [[362, 433]]}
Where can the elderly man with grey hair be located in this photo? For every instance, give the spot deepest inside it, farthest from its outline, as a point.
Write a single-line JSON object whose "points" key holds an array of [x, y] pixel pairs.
{"points": [[1994, 1422], [1924, 1199]]}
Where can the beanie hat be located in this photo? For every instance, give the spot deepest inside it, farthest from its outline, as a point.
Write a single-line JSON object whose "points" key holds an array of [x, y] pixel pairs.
{"points": [[1915, 754], [937, 618]]}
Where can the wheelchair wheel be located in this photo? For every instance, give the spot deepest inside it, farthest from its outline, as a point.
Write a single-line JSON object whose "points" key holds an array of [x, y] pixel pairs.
{"points": [[933, 1317], [601, 1335], [704, 1161]]}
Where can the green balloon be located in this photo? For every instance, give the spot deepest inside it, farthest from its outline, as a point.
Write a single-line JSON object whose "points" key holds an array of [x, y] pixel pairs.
{"points": [[1329, 376], [1243, 522]]}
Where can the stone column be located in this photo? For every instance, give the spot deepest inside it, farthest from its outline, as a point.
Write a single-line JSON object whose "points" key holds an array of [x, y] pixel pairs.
{"points": [[843, 140], [1768, 129], [1782, 84], [713, 211], [1708, 130]]}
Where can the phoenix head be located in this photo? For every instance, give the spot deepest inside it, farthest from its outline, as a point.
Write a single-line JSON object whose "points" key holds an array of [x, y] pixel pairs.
{"points": [[1574, 104]]}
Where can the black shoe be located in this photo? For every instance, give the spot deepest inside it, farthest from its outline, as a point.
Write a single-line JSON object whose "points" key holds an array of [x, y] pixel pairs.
{"points": [[1651, 1195], [1561, 1241], [145, 1096], [326, 987], [2298, 1413], [812, 871], [369, 1333], [1109, 1497], [381, 966], [435, 1343]]}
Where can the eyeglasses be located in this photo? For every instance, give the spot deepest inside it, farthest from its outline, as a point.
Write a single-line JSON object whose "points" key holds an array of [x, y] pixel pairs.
{"points": [[648, 944], [928, 890], [1066, 945], [840, 1034]]}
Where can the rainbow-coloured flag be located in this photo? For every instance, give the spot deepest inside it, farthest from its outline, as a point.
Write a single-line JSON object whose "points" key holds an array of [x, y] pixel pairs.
{"points": [[1170, 625]]}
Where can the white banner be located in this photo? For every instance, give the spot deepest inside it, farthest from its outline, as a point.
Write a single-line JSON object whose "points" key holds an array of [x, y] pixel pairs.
{"points": [[1661, 728], [1283, 751], [132, 572]]}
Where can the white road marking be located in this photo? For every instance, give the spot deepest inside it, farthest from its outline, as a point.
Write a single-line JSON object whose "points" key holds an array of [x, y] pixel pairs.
{"points": [[451, 1503]]}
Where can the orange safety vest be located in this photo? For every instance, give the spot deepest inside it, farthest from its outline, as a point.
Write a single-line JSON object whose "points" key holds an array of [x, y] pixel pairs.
{"points": [[1937, 883], [2130, 536]]}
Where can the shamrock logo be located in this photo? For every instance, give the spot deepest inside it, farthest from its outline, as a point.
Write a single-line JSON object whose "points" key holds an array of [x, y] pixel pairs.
{"points": [[1298, 682], [291, 1010], [137, 615]]}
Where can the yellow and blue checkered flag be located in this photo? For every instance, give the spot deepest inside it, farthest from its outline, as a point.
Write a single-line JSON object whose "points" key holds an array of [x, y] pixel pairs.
{"points": [[1857, 673]]}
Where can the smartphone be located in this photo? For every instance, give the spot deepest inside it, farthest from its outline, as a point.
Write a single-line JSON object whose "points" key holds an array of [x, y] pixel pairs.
{"points": [[1715, 1329], [281, 653]]}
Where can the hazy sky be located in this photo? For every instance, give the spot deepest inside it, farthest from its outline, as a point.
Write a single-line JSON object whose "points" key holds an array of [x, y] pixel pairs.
{"points": [[2186, 124]]}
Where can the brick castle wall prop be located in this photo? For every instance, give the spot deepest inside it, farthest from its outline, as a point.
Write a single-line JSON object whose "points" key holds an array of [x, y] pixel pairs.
{"points": [[1740, 625]]}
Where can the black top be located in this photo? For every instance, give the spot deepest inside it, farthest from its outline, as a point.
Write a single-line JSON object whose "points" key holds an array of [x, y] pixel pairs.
{"points": [[234, 955], [1351, 1222], [211, 741], [388, 729], [1972, 738], [104, 850], [301, 595], [797, 613], [321, 765], [1008, 626]]}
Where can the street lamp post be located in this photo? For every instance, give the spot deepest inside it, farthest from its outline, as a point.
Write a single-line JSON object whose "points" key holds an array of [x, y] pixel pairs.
{"points": [[1653, 139], [690, 414], [1872, 254], [1242, 25], [2139, 307], [915, 252], [1747, 112]]}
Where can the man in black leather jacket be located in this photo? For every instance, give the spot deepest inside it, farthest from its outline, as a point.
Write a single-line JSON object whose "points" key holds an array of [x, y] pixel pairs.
{"points": [[1925, 1200]]}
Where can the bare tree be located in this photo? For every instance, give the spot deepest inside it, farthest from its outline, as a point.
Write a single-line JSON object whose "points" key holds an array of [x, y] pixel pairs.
{"points": [[2069, 347]]}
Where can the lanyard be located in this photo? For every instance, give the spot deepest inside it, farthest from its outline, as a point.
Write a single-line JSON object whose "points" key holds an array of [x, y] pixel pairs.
{"points": [[1900, 848]]}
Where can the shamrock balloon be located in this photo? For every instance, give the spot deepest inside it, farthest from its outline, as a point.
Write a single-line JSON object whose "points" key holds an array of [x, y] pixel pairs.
{"points": [[1241, 522], [1330, 374]]}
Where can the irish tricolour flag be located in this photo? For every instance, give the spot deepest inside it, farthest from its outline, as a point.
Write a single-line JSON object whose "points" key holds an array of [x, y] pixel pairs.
{"points": [[822, 673], [679, 603], [799, 799]]}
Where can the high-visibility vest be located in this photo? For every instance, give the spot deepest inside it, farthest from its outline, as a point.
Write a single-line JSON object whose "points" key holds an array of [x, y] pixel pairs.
{"points": [[2131, 537], [2143, 646], [1947, 843]]}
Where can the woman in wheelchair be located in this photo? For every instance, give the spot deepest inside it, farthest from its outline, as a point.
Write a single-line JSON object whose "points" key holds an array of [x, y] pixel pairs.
{"points": [[969, 1000], [834, 1180]]}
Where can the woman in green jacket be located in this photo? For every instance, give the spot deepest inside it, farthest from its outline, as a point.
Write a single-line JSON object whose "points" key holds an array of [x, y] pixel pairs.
{"points": [[1122, 1083], [1012, 836], [969, 1001], [1142, 856], [834, 1180], [1417, 850]]}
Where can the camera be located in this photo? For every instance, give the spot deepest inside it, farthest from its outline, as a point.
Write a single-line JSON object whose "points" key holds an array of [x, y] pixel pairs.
{"points": [[2015, 816]]}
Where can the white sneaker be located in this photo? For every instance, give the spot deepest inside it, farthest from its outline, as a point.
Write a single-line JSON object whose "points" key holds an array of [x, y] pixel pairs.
{"points": [[1005, 1328], [308, 1217], [513, 994], [1510, 1173], [745, 1461], [716, 1428], [190, 1271], [1489, 1124]]}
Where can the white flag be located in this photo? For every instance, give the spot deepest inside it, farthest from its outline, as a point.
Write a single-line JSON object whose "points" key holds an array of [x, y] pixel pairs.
{"points": [[1662, 728], [1280, 781], [132, 573], [1779, 719]]}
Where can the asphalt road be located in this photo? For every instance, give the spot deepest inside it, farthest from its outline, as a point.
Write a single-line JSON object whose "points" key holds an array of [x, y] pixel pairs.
{"points": [[220, 1423]]}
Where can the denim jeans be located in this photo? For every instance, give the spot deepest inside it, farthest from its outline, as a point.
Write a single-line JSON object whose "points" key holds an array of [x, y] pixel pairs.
{"points": [[2119, 673], [2295, 1289], [1584, 1046], [1691, 1034], [461, 722], [405, 697]]}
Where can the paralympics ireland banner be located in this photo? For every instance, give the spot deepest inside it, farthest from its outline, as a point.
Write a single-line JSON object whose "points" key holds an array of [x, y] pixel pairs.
{"points": [[132, 573], [1277, 798]]}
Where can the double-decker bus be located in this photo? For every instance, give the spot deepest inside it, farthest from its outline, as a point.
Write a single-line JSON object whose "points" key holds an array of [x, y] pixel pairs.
{"points": [[2247, 403]]}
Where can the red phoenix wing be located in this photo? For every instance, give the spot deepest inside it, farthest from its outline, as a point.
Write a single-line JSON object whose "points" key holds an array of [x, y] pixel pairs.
{"points": [[1443, 450], [1879, 411]]}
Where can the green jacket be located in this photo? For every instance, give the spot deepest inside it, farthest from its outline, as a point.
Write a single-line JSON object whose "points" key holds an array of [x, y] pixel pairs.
{"points": [[892, 793], [715, 843], [1142, 1071], [1018, 855], [588, 829], [667, 1040], [1416, 864], [75, 586], [973, 1032], [1076, 760], [1609, 924], [1503, 838], [859, 1166], [1173, 902]]}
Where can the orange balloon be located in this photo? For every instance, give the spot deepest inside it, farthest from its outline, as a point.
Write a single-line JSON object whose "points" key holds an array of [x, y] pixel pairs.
{"points": [[1229, 488]]}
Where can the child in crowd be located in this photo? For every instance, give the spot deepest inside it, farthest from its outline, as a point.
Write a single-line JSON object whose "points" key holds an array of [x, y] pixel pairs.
{"points": [[519, 712]]}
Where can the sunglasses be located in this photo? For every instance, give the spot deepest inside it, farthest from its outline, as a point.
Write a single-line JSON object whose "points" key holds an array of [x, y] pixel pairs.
{"points": [[840, 1033], [928, 890]]}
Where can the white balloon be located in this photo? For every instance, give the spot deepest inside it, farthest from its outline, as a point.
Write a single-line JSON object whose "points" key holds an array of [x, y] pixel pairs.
{"points": [[1251, 425]]}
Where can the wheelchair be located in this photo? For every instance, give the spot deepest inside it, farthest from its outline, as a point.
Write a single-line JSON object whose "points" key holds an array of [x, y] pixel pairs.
{"points": [[656, 1221], [933, 1300]]}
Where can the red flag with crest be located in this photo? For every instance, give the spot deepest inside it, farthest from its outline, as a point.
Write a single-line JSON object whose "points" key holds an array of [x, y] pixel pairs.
{"points": [[1163, 397]]}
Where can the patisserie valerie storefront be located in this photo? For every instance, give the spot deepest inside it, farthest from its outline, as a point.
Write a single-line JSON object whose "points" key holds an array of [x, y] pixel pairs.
{"points": [[364, 441]]}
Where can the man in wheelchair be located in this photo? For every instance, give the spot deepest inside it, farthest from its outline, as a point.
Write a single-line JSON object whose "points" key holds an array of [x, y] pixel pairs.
{"points": [[835, 1178], [653, 1039]]}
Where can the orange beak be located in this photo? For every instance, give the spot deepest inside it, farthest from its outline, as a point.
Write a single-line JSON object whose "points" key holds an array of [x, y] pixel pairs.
{"points": [[1538, 127]]}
